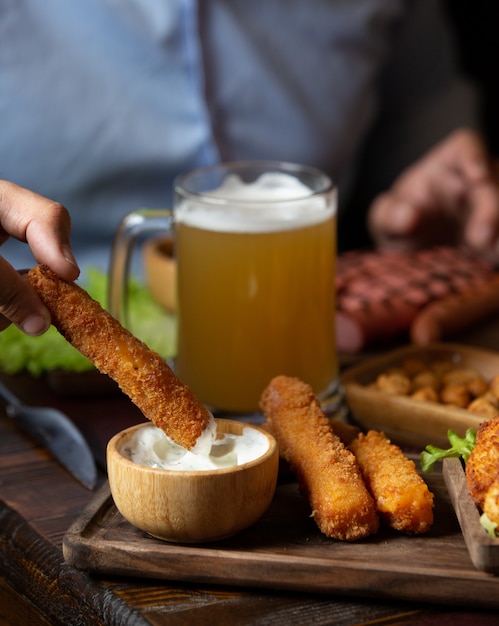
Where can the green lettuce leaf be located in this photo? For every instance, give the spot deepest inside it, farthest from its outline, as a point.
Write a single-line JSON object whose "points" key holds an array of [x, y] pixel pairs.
{"points": [[36, 355], [460, 447]]}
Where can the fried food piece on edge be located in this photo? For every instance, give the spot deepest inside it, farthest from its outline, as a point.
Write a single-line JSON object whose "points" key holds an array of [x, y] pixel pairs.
{"points": [[327, 472], [402, 497], [491, 502], [140, 372], [482, 466]]}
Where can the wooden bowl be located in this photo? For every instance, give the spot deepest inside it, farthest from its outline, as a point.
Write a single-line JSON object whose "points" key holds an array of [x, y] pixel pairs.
{"points": [[192, 506], [407, 421], [160, 271]]}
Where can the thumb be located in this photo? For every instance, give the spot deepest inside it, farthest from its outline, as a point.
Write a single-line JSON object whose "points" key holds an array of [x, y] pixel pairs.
{"points": [[20, 304]]}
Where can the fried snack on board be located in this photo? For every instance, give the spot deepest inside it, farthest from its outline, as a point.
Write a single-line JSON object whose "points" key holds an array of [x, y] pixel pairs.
{"points": [[491, 502], [327, 472], [482, 466], [402, 497], [140, 372]]}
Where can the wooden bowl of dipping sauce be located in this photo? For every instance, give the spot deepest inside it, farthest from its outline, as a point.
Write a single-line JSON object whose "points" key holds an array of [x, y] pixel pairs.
{"points": [[187, 505]]}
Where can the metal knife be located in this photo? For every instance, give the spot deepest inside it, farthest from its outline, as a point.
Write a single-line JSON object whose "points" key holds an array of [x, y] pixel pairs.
{"points": [[55, 431]]}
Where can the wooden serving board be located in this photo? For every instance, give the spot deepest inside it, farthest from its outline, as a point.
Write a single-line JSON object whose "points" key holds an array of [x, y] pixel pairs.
{"points": [[285, 550], [483, 549]]}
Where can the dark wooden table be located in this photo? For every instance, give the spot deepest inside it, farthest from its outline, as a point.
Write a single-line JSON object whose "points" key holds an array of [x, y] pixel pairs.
{"points": [[39, 501]]}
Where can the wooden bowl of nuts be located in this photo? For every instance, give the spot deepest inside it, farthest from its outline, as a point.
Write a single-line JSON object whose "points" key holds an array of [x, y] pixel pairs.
{"points": [[416, 394]]}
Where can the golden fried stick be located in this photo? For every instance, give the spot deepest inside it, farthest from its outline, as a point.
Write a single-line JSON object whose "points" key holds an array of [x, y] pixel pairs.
{"points": [[403, 499], [491, 502], [482, 466], [327, 472], [140, 372]]}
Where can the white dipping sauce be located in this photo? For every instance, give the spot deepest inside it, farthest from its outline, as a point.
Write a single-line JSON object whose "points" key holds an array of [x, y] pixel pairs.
{"points": [[151, 447]]}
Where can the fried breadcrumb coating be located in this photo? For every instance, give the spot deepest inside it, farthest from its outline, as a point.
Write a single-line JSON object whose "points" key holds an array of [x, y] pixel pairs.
{"points": [[491, 502], [327, 472], [482, 466], [402, 497], [140, 372]]}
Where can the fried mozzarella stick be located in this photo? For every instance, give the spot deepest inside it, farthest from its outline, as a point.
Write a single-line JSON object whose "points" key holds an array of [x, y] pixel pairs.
{"points": [[140, 372], [327, 472], [403, 499]]}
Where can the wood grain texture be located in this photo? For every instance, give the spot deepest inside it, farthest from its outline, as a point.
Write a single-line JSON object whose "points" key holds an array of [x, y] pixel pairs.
{"points": [[285, 551], [483, 549], [48, 500], [30, 563]]}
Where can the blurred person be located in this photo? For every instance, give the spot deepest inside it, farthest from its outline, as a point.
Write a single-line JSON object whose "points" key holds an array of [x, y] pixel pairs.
{"points": [[109, 100]]}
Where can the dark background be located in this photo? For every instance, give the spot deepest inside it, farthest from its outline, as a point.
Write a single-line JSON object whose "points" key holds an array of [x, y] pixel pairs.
{"points": [[476, 30], [476, 24]]}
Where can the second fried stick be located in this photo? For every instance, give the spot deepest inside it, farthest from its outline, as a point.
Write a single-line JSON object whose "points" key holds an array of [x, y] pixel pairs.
{"points": [[140, 372], [327, 472], [403, 499]]}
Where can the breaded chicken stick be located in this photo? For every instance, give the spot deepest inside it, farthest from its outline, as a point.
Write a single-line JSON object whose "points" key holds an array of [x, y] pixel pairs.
{"points": [[327, 472], [403, 499], [140, 372]]}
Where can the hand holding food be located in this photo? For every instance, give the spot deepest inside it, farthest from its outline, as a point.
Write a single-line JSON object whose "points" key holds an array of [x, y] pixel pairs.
{"points": [[140, 372]]}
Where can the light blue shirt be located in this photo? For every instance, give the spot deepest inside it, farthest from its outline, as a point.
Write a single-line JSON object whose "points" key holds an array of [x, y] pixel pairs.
{"points": [[104, 102]]}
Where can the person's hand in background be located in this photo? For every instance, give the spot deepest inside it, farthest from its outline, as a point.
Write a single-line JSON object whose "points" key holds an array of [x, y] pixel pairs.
{"points": [[450, 196]]}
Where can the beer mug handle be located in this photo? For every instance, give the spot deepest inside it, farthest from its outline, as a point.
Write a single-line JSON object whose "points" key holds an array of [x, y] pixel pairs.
{"points": [[133, 226]]}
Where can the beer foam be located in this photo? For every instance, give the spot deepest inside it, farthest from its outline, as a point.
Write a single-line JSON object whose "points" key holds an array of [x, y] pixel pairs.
{"points": [[275, 201]]}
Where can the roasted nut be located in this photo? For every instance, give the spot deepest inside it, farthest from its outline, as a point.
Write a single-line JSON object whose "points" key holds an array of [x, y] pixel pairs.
{"points": [[494, 386], [483, 406], [457, 395], [427, 394], [394, 383], [426, 378], [477, 387]]}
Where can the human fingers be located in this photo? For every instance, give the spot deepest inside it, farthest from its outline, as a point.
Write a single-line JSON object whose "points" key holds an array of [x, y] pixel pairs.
{"points": [[482, 228], [44, 224], [20, 304], [432, 194], [391, 217], [465, 152], [418, 210]]}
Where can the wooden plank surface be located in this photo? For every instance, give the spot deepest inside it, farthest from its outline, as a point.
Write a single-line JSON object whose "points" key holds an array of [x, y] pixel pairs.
{"points": [[483, 549], [286, 551], [39, 501]]}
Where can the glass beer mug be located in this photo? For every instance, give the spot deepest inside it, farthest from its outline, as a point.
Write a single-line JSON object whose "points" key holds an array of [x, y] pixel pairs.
{"points": [[255, 252]]}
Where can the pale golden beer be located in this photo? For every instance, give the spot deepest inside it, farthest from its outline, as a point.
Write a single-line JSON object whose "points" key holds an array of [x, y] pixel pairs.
{"points": [[255, 248], [256, 299], [255, 305]]}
